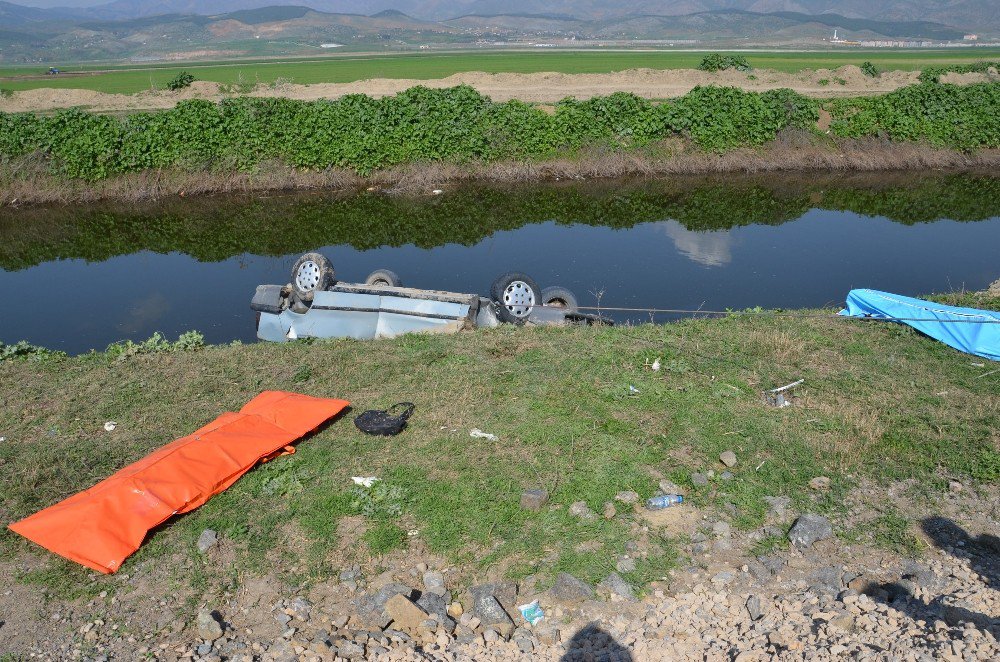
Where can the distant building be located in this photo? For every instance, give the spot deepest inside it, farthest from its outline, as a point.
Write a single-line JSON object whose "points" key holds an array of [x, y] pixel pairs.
{"points": [[331, 45], [971, 37]]}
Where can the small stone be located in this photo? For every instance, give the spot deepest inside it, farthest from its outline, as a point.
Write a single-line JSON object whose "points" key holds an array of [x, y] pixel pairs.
{"points": [[580, 509], [723, 578], [350, 650], [820, 483], [283, 618], [203, 649], [843, 620], [525, 645], [615, 585], [625, 564], [208, 625], [570, 589], [754, 608], [809, 529], [534, 500], [726, 475], [405, 614], [492, 614], [627, 497], [455, 610], [207, 540], [548, 635], [490, 635], [954, 486], [609, 510], [728, 458], [434, 582], [670, 487], [301, 608], [699, 480]]}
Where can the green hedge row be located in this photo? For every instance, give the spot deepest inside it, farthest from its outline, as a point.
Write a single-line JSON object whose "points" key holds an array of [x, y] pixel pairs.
{"points": [[957, 116], [933, 74], [459, 124], [366, 134]]}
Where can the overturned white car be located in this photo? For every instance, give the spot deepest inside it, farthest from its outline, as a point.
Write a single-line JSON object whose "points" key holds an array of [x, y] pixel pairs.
{"points": [[315, 305]]}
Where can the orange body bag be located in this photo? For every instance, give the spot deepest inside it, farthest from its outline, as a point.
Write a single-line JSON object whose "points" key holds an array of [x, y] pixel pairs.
{"points": [[102, 526]]}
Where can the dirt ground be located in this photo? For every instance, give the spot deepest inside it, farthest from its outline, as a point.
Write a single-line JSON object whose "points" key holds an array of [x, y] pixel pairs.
{"points": [[539, 87]]}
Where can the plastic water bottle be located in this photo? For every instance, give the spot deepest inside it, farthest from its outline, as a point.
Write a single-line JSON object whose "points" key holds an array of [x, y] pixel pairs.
{"points": [[664, 501]]}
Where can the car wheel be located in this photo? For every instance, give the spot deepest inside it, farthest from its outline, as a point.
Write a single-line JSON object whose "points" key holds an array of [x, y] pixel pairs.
{"points": [[560, 297], [516, 295], [384, 277], [311, 273]]}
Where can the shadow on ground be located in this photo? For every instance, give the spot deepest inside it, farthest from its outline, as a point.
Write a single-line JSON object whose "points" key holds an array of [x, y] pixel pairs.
{"points": [[593, 643], [984, 553]]}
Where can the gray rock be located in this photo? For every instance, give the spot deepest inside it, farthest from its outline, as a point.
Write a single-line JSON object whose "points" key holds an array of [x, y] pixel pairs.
{"points": [[434, 583], [631, 546], [492, 615], [670, 487], [350, 650], [581, 510], [534, 499], [437, 606], [728, 458], [208, 625], [204, 649], [615, 585], [207, 540], [504, 592], [809, 529], [826, 580], [371, 607], [283, 618], [754, 608], [301, 608], [625, 564], [525, 645], [724, 577], [627, 497], [699, 480], [726, 475], [570, 589], [778, 505]]}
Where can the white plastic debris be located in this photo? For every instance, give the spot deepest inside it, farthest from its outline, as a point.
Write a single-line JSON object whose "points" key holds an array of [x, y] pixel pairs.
{"points": [[3, 439], [291, 335], [364, 481], [110, 426], [656, 365], [437, 191], [532, 612], [633, 390], [476, 433]]}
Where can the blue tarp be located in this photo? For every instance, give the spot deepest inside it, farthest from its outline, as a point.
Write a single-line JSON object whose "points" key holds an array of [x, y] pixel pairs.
{"points": [[932, 319]]}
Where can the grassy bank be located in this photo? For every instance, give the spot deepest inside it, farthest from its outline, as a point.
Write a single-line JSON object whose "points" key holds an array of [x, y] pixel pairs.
{"points": [[880, 404], [128, 79]]}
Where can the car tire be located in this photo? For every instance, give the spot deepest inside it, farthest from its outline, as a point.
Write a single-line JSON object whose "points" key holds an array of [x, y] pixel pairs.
{"points": [[311, 273], [560, 297], [384, 277], [516, 295]]}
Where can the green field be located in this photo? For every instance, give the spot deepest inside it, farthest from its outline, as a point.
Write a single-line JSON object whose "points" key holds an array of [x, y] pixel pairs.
{"points": [[341, 69]]}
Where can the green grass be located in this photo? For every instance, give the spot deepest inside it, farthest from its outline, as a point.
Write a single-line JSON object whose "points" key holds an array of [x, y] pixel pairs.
{"points": [[871, 408], [341, 69]]}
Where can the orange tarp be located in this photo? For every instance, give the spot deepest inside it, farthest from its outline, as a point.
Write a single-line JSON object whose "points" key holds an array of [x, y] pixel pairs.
{"points": [[102, 526]]}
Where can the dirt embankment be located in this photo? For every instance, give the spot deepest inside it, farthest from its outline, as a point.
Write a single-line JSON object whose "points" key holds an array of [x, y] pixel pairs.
{"points": [[538, 87]]}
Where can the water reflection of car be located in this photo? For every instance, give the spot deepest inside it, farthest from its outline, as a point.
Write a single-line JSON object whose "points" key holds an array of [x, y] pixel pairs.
{"points": [[315, 305]]}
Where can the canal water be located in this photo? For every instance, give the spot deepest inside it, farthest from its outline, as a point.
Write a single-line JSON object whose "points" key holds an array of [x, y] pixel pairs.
{"points": [[80, 277]]}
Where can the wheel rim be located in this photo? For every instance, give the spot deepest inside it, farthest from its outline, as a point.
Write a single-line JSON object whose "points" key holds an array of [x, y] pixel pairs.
{"points": [[519, 298], [307, 277]]}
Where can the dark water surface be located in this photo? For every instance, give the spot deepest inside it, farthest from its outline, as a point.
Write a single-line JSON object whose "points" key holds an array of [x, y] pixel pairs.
{"points": [[81, 277]]}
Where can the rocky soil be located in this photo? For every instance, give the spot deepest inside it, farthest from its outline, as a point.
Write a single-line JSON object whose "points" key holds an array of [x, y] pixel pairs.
{"points": [[816, 597]]}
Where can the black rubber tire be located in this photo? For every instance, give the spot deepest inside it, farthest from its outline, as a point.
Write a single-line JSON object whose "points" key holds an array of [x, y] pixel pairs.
{"points": [[498, 292], [384, 277], [560, 297], [322, 277]]}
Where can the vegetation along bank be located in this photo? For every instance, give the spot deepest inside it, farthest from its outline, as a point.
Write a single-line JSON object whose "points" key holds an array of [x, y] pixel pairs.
{"points": [[361, 138]]}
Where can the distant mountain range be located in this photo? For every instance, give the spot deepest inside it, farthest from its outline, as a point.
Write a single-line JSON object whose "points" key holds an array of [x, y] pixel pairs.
{"points": [[964, 14], [154, 29]]}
